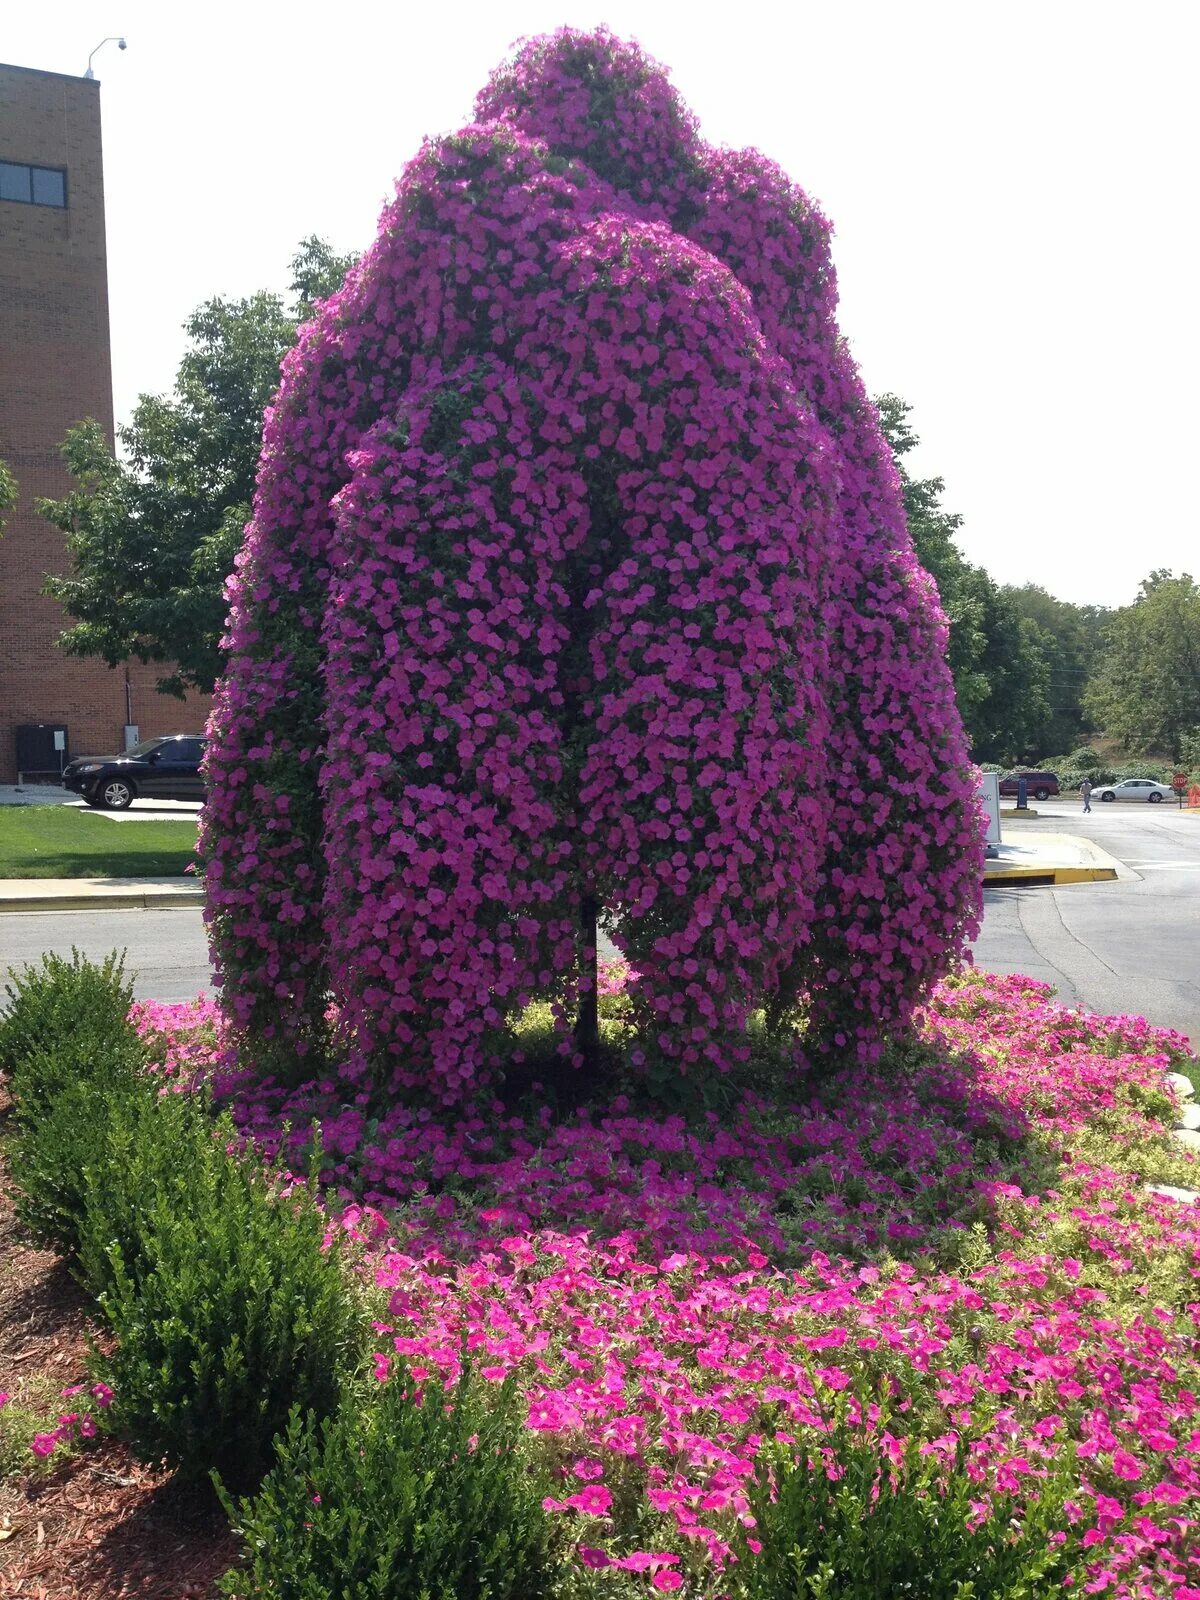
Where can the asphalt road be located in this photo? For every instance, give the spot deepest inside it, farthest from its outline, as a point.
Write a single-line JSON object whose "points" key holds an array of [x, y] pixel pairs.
{"points": [[1132, 945], [1128, 946], [166, 949]]}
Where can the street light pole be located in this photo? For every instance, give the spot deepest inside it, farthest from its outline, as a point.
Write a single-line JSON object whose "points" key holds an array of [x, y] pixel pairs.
{"points": [[113, 38]]}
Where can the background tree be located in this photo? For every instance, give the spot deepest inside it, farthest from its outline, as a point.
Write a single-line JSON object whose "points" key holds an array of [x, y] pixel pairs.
{"points": [[1071, 637], [1145, 689], [933, 530], [999, 656], [1012, 722], [153, 531]]}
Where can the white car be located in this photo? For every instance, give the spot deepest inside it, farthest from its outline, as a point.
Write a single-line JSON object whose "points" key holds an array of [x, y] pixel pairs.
{"points": [[1134, 789]]}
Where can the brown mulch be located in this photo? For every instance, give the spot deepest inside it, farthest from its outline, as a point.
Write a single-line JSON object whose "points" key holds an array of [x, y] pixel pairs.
{"points": [[99, 1525]]}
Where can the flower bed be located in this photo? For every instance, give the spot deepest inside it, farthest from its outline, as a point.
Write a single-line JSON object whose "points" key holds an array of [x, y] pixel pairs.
{"points": [[968, 1227]]}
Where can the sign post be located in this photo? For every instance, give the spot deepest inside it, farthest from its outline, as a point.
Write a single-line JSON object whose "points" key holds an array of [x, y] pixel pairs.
{"points": [[989, 788]]}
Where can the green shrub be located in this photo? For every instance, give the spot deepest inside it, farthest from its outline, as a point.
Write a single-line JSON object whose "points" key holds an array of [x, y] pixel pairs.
{"points": [[60, 1156], [226, 1307], [399, 1500], [63, 1019], [73, 1060], [148, 1163], [883, 1529]]}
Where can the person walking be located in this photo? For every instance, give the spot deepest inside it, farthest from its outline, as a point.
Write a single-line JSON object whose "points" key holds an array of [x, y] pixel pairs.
{"points": [[1085, 789]]}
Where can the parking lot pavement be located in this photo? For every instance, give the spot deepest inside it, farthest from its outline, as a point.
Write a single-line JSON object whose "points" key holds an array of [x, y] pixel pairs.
{"points": [[31, 794], [145, 810], [1129, 946]]}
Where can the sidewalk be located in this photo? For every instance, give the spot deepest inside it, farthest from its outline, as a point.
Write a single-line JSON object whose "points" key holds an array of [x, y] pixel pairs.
{"points": [[98, 894], [143, 810], [1052, 858]]}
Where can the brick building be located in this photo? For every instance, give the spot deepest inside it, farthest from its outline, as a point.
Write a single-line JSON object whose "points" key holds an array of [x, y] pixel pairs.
{"points": [[55, 369]]}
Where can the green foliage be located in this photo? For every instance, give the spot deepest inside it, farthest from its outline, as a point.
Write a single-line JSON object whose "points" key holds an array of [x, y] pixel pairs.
{"points": [[1146, 687], [1070, 638], [911, 1524], [1013, 719], [1137, 769], [58, 1158], [997, 654], [933, 531], [398, 1500], [226, 1308], [1087, 763], [61, 1018], [1085, 759], [146, 1161], [73, 1062], [1021, 658], [153, 535]]}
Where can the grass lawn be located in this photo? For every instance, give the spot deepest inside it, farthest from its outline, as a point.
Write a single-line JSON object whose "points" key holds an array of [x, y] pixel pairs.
{"points": [[57, 842]]}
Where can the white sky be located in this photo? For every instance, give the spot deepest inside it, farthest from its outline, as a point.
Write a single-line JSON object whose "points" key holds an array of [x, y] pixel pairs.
{"points": [[1013, 189]]}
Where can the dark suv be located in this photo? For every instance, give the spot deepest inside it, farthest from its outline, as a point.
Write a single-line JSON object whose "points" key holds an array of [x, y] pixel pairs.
{"points": [[1041, 785], [155, 769]]}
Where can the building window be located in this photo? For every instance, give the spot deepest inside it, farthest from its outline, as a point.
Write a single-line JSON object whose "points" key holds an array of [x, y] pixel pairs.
{"points": [[34, 186]]}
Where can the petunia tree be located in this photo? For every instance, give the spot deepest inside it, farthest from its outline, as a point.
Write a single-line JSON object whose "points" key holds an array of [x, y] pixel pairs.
{"points": [[578, 592]]}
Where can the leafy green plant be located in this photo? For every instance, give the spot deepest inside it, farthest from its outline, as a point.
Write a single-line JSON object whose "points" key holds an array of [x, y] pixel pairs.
{"points": [[399, 1497], [909, 1523], [60, 1157], [149, 1162], [72, 1060], [64, 1020], [227, 1308]]}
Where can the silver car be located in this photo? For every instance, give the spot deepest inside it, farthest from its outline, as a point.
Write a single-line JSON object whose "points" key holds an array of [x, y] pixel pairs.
{"points": [[1134, 789]]}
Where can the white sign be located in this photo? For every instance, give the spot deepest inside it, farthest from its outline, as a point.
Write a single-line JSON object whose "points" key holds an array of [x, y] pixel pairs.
{"points": [[989, 788], [60, 739]]}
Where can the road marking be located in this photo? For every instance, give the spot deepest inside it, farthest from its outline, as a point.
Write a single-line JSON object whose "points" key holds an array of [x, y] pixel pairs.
{"points": [[1165, 866]]}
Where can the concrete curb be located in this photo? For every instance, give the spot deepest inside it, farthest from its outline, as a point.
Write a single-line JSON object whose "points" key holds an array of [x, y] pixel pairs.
{"points": [[1048, 875], [132, 899], [1045, 859]]}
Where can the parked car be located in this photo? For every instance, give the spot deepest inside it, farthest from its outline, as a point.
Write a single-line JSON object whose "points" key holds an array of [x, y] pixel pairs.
{"points": [[154, 769], [1041, 785], [1134, 789]]}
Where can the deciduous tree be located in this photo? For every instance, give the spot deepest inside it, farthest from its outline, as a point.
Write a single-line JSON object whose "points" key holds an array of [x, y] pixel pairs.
{"points": [[153, 531], [1070, 639], [1145, 690], [997, 655]]}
